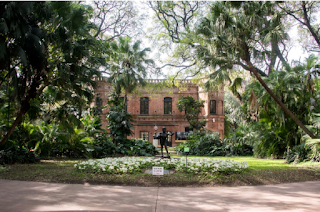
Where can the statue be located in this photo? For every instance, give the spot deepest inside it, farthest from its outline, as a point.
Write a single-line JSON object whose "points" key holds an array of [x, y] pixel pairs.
{"points": [[163, 136]]}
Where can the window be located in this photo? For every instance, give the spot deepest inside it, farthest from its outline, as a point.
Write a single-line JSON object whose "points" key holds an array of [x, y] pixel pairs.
{"points": [[188, 129], [144, 135], [168, 105], [144, 105], [98, 105], [213, 107]]}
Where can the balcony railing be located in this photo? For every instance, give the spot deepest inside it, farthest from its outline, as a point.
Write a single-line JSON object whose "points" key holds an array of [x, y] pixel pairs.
{"points": [[152, 81]]}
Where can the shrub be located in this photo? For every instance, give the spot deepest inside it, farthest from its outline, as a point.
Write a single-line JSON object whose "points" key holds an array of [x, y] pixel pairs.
{"points": [[314, 157], [297, 154], [103, 147], [142, 148], [238, 149], [211, 145], [20, 155]]}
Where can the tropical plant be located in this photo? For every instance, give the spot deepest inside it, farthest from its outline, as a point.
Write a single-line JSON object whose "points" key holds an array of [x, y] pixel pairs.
{"points": [[211, 145], [192, 108], [231, 34], [297, 154], [45, 44], [274, 130], [119, 120], [127, 66]]}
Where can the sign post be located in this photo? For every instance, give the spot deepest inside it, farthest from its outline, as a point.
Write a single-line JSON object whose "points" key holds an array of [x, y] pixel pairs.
{"points": [[186, 150]]}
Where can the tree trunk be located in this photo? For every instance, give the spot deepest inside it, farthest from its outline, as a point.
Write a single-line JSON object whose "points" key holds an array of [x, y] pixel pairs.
{"points": [[13, 126], [283, 107], [246, 57], [125, 100], [308, 24], [25, 106]]}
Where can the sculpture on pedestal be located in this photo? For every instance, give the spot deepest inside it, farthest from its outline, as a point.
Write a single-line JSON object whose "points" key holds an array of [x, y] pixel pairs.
{"points": [[163, 137]]}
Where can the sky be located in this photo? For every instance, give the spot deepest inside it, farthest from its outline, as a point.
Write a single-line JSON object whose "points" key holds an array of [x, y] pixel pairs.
{"points": [[296, 52]]}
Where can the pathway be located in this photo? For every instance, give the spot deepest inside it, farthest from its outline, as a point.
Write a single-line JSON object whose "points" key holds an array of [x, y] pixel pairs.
{"points": [[34, 196]]}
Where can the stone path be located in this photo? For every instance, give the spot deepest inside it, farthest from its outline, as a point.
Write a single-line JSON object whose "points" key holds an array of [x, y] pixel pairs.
{"points": [[34, 196]]}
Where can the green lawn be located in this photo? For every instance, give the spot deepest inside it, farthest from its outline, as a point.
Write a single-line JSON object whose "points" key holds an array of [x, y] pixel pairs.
{"points": [[260, 172], [256, 163]]}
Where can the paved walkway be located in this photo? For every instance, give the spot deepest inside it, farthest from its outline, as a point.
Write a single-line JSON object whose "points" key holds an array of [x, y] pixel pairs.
{"points": [[34, 196]]}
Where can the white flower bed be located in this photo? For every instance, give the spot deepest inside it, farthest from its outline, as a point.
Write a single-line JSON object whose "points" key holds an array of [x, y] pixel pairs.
{"points": [[208, 165], [135, 164]]}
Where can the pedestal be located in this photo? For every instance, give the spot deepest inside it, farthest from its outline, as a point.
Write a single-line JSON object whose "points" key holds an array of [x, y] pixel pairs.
{"points": [[162, 157], [155, 142]]}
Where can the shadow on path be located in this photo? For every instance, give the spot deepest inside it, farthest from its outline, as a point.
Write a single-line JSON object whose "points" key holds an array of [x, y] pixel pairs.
{"points": [[36, 196]]}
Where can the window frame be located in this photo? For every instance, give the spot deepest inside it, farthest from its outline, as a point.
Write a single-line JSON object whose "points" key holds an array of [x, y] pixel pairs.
{"points": [[211, 107], [142, 135], [167, 106], [98, 104], [144, 105]]}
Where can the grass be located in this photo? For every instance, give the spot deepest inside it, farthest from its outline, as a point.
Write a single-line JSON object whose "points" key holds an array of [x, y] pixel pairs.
{"points": [[260, 172], [256, 163]]}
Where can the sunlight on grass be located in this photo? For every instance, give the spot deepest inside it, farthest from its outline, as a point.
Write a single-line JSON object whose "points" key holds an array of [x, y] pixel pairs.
{"points": [[308, 163], [255, 163]]}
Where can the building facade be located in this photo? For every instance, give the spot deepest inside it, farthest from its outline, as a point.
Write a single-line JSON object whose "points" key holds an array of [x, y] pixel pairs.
{"points": [[153, 109]]}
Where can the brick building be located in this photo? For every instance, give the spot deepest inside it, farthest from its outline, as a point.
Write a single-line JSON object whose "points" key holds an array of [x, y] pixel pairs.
{"points": [[150, 108]]}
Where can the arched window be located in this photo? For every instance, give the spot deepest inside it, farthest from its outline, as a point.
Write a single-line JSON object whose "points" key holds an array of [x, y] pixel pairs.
{"points": [[168, 105], [144, 105], [213, 107]]}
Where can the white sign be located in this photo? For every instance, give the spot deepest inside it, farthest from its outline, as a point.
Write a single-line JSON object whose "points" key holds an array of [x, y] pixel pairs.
{"points": [[157, 170]]}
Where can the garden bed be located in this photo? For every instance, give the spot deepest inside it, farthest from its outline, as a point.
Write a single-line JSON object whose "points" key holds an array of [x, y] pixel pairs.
{"points": [[259, 172]]}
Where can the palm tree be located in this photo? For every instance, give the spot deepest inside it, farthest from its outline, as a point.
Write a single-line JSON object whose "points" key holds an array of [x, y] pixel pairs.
{"points": [[232, 35], [127, 65]]}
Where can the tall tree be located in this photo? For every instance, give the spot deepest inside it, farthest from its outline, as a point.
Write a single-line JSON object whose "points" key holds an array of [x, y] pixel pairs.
{"points": [[249, 35], [173, 30], [305, 13], [127, 65], [115, 19], [42, 44], [244, 34]]}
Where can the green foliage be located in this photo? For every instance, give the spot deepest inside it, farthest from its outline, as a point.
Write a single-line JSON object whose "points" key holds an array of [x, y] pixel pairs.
{"points": [[267, 128], [192, 109], [234, 118], [18, 155], [140, 147], [118, 119], [211, 145], [127, 64], [103, 146], [297, 154], [47, 47]]}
